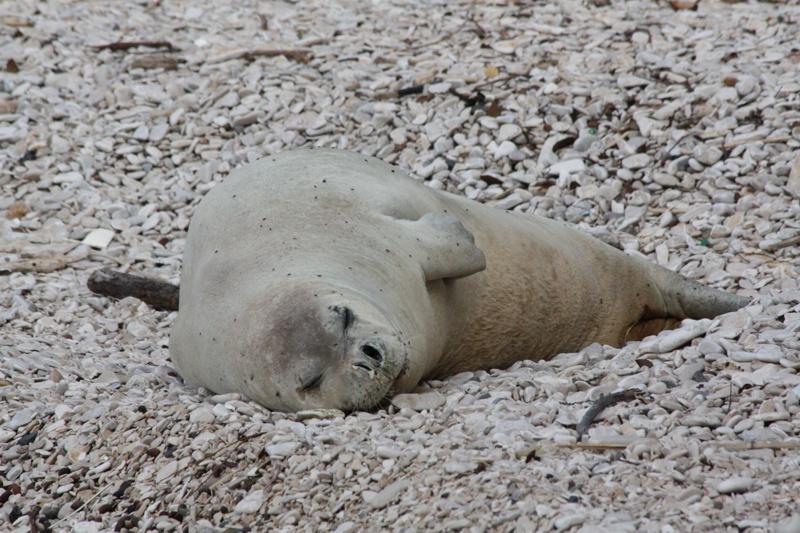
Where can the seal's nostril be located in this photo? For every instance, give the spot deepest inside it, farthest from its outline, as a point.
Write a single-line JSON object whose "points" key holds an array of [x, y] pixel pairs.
{"points": [[372, 352]]}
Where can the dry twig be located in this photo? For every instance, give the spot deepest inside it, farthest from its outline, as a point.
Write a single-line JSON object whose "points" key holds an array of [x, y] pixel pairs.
{"points": [[607, 400], [127, 45], [301, 55], [157, 61], [159, 295], [735, 446], [41, 263], [785, 243]]}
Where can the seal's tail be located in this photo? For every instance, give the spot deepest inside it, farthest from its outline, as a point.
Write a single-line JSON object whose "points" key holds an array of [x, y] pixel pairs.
{"points": [[684, 298]]}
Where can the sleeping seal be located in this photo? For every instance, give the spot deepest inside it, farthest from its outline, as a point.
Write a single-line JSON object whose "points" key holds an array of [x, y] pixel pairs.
{"points": [[326, 279]]}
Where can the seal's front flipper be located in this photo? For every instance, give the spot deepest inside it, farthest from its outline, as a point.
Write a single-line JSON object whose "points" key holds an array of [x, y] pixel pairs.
{"points": [[446, 248]]}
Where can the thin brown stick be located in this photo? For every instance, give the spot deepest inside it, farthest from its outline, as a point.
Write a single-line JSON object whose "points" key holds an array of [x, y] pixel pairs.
{"points": [[158, 294], [768, 140], [157, 61], [595, 445], [84, 504], [399, 93], [45, 263], [728, 445], [606, 400], [757, 445], [498, 79], [785, 243], [127, 45], [301, 55], [676, 143]]}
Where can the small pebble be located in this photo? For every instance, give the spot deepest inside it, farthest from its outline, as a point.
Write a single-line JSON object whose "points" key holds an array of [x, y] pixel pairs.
{"points": [[735, 485]]}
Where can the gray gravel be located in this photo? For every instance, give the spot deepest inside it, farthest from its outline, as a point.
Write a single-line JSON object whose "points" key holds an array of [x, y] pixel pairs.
{"points": [[669, 133]]}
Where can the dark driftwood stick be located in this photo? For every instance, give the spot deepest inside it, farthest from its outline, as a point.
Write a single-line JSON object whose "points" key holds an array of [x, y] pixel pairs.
{"points": [[607, 400], [157, 294], [126, 45]]}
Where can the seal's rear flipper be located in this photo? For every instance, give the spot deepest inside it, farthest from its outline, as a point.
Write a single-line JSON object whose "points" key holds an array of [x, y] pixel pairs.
{"points": [[447, 248], [684, 298], [676, 298]]}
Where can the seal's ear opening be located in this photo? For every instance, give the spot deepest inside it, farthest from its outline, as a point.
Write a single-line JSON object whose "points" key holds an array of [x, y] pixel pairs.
{"points": [[447, 248]]}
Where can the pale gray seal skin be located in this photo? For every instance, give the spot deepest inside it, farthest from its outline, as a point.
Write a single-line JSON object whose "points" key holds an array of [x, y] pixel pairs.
{"points": [[326, 279]]}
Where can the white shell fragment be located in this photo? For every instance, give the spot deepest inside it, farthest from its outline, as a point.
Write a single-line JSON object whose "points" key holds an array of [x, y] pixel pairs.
{"points": [[99, 238]]}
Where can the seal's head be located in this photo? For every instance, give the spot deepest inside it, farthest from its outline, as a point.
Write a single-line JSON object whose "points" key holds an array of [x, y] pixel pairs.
{"points": [[319, 347]]}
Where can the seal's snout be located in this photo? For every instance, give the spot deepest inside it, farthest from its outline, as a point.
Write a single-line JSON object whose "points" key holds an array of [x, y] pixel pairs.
{"points": [[369, 358]]}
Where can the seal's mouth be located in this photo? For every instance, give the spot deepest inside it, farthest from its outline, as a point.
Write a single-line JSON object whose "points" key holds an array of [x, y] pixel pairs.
{"points": [[376, 372]]}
